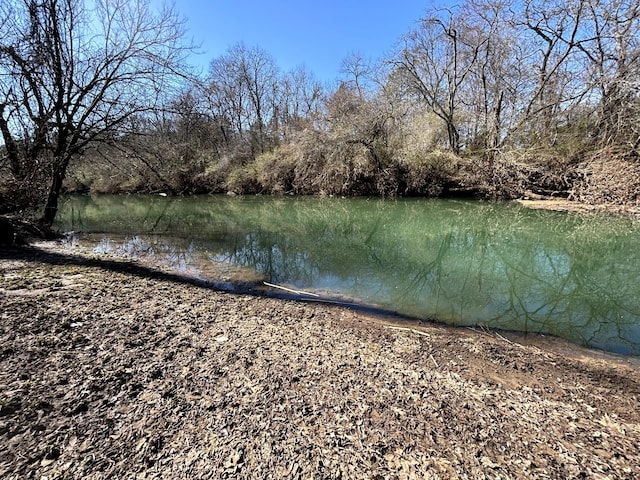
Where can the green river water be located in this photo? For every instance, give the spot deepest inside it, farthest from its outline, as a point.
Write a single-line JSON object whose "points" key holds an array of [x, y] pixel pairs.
{"points": [[460, 262]]}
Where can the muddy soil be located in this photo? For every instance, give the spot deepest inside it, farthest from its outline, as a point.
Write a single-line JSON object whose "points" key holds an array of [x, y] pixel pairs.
{"points": [[110, 369]]}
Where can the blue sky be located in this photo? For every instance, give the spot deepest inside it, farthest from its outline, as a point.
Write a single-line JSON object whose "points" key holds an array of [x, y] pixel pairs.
{"points": [[318, 34]]}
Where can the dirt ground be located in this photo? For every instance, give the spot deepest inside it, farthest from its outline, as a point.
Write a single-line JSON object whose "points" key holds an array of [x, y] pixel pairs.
{"points": [[110, 369]]}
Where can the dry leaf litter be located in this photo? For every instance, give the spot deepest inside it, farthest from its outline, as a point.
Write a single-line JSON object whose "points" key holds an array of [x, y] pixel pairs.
{"points": [[118, 373]]}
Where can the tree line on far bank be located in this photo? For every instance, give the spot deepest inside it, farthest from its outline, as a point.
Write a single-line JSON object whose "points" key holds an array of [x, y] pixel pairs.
{"points": [[498, 99]]}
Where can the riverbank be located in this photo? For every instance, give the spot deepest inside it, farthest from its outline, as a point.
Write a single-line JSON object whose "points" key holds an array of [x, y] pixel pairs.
{"points": [[110, 369], [564, 205]]}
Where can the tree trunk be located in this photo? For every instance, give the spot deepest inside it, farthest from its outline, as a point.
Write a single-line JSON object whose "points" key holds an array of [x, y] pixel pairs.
{"points": [[11, 148], [494, 140], [51, 207], [454, 137]]}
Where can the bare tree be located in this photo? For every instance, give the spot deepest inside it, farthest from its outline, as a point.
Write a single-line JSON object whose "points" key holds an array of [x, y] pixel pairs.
{"points": [[242, 85], [227, 96], [437, 61], [491, 92], [612, 55], [552, 33], [73, 73], [300, 98], [358, 72], [585, 55]]}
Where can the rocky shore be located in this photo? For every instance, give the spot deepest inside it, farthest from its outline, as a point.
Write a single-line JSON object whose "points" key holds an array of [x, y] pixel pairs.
{"points": [[111, 369]]}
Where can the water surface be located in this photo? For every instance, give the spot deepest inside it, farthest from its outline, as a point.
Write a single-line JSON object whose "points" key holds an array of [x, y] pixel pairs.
{"points": [[460, 262]]}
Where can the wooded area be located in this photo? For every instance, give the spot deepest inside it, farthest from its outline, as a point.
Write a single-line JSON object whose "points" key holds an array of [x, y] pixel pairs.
{"points": [[497, 99]]}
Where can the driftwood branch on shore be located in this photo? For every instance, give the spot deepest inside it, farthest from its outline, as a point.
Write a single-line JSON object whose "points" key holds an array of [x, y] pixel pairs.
{"points": [[297, 292]]}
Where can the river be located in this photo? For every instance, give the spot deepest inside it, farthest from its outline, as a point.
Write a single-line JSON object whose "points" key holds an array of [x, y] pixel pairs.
{"points": [[498, 265]]}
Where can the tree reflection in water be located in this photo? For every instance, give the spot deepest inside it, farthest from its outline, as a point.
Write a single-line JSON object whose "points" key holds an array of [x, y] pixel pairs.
{"points": [[466, 263]]}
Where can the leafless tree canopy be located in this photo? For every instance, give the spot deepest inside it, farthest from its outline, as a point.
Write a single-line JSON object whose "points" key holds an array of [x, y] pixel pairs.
{"points": [[500, 72]]}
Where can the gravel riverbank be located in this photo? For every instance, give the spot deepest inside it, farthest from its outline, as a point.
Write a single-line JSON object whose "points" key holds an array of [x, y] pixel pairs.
{"points": [[110, 369]]}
